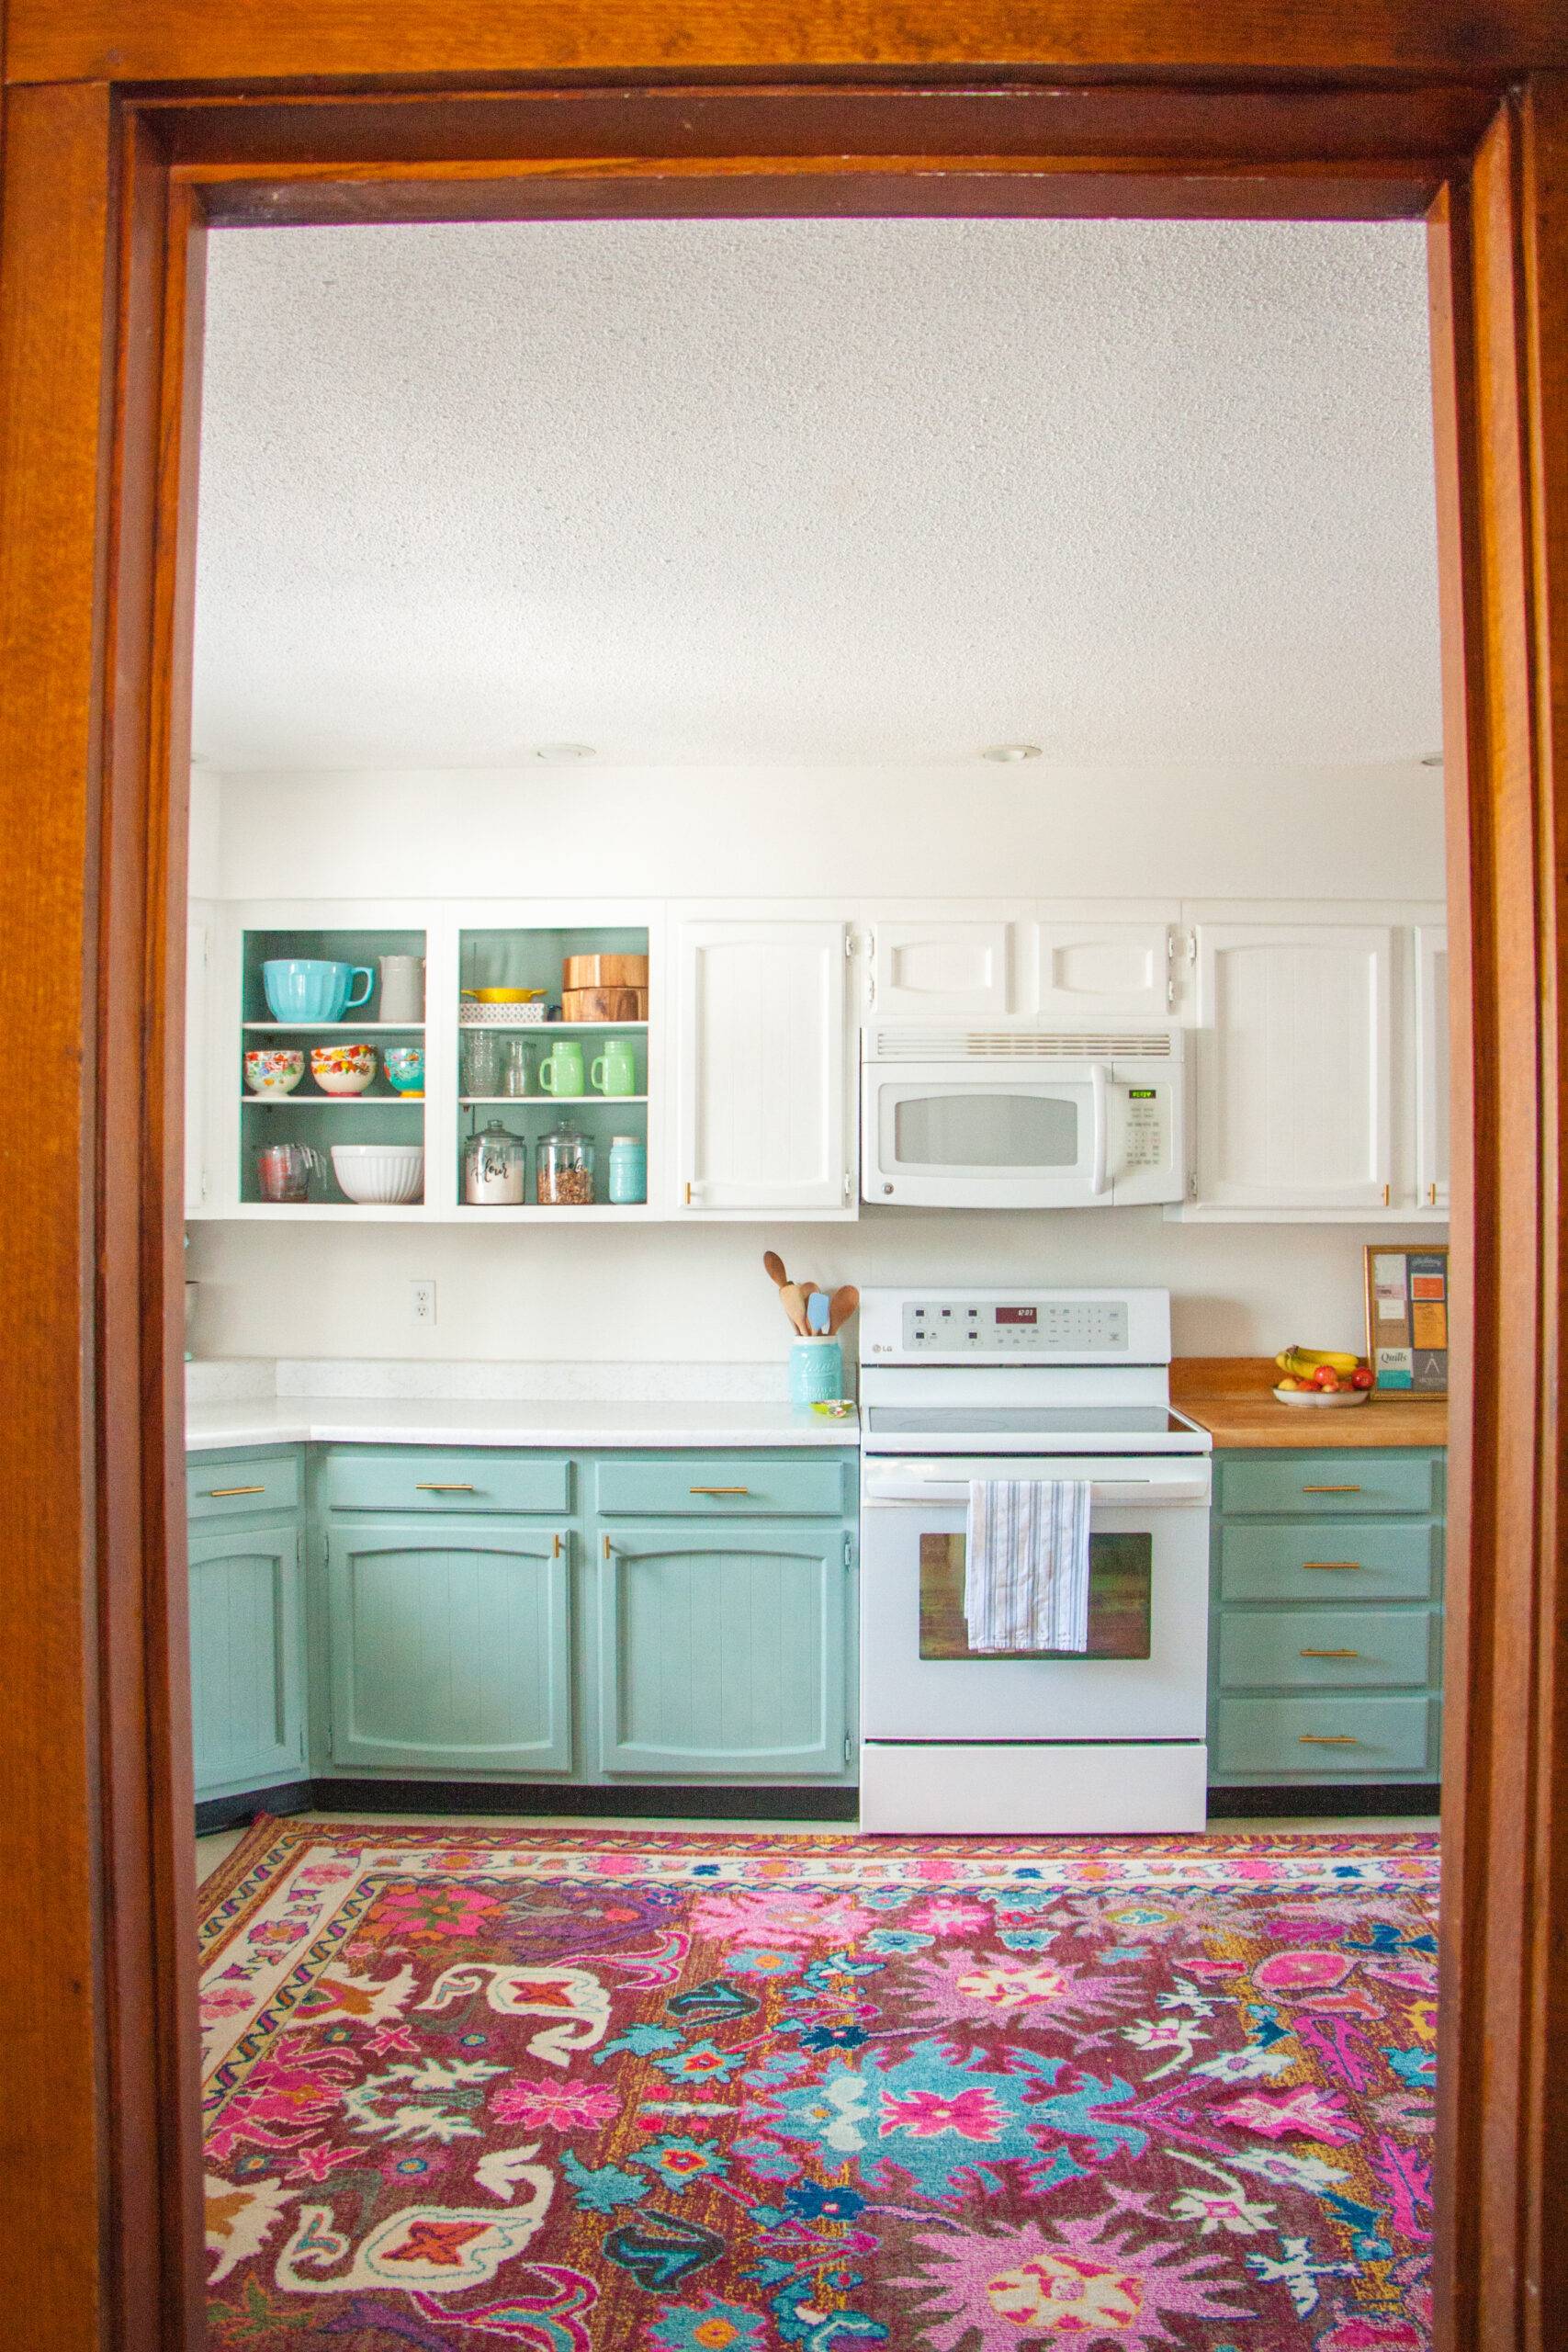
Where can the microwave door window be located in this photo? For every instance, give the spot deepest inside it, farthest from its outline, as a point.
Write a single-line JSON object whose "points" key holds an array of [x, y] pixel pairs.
{"points": [[986, 1128], [1121, 1603]]}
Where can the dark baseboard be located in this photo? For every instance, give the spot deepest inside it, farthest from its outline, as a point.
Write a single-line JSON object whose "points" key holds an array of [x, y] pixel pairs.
{"points": [[236, 1813], [1356, 1799], [688, 1800]]}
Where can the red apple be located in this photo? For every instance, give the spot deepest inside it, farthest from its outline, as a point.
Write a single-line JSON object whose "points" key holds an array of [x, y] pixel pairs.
{"points": [[1363, 1377], [1325, 1378]]}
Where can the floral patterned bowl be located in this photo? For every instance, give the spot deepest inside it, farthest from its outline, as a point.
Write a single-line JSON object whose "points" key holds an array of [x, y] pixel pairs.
{"points": [[343, 1069], [274, 1070], [405, 1068]]}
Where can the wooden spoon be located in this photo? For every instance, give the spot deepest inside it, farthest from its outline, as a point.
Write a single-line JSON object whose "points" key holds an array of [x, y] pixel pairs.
{"points": [[845, 1301], [772, 1264], [793, 1300]]}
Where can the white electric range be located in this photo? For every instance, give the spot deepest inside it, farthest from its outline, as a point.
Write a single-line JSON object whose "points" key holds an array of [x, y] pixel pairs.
{"points": [[965, 1384]]}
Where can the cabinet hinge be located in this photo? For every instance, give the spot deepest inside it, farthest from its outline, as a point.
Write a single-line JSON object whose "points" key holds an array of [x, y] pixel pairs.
{"points": [[849, 1550], [1192, 1185], [849, 1185], [848, 1747], [1192, 947]]}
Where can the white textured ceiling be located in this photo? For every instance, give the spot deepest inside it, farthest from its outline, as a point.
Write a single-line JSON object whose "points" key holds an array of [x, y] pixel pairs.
{"points": [[806, 491]]}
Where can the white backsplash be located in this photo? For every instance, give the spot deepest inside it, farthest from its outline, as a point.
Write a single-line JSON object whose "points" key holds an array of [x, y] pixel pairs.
{"points": [[235, 1380]]}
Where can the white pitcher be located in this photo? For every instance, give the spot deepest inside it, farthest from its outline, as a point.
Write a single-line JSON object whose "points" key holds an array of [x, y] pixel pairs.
{"points": [[402, 987]]}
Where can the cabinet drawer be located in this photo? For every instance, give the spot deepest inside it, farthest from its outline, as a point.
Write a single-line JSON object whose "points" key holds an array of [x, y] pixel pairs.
{"points": [[724, 1486], [1352, 1560], [461, 1478], [1331, 1483], [1329, 1649], [216, 1488], [1362, 1739]]}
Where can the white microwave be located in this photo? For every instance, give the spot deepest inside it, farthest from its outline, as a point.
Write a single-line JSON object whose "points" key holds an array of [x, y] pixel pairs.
{"points": [[961, 1118]]}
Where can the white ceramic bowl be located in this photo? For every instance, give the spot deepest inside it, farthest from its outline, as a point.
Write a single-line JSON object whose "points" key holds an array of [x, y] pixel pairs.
{"points": [[383, 1174], [343, 1069]]}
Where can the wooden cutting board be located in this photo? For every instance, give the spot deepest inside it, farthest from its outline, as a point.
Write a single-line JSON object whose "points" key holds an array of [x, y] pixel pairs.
{"points": [[604, 1003], [605, 972]]}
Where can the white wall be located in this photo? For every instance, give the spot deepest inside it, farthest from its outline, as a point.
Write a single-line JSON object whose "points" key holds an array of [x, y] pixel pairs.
{"points": [[648, 1292]]}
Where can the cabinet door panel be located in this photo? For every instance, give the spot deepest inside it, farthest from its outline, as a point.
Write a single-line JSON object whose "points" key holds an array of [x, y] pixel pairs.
{"points": [[943, 969], [1295, 1073], [762, 1069], [722, 1652], [1432, 1066], [1097, 971], [451, 1647], [247, 1712]]}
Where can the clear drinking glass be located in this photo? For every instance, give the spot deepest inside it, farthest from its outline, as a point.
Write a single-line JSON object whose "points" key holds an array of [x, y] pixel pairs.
{"points": [[481, 1061], [515, 1076]]}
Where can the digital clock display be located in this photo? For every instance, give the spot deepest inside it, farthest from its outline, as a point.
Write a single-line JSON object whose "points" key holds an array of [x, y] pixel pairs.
{"points": [[1143, 1094], [1017, 1315]]}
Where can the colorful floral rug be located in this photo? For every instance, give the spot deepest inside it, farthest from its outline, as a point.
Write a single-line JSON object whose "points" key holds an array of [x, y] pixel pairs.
{"points": [[580, 2093]]}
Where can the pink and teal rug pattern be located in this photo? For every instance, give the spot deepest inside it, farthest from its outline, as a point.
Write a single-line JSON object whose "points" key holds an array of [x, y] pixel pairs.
{"points": [[588, 2093]]}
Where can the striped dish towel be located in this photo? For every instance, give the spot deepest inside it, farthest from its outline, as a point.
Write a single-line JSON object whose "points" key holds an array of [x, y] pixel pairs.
{"points": [[1026, 1577]]}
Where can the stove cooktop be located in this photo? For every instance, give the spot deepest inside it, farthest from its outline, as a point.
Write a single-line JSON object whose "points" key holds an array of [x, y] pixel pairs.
{"points": [[1033, 1428]]}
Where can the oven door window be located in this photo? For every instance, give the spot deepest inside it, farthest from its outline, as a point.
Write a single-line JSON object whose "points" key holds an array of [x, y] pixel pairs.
{"points": [[987, 1127], [1121, 1577]]}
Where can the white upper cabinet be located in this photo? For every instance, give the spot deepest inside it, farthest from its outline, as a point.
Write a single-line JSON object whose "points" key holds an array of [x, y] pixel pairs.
{"points": [[761, 1069], [1295, 1080], [198, 1041], [1092, 972], [1432, 1066], [947, 970]]}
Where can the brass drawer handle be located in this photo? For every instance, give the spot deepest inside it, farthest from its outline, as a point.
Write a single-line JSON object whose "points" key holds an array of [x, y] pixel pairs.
{"points": [[719, 1491], [1432, 1194], [608, 1547], [1326, 1739], [1330, 1564], [556, 1547], [1331, 1490], [429, 1486], [215, 1494], [1328, 1652]]}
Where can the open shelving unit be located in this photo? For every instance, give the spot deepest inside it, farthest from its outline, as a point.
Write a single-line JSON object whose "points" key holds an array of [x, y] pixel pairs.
{"points": [[531, 958]]}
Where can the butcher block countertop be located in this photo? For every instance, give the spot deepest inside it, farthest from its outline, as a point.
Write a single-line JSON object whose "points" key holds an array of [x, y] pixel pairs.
{"points": [[1230, 1397]]}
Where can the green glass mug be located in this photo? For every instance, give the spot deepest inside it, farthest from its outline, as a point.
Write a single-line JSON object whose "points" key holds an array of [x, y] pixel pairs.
{"points": [[561, 1070], [614, 1070]]}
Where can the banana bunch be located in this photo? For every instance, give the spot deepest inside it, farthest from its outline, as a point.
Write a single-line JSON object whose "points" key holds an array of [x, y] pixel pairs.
{"points": [[1300, 1364]]}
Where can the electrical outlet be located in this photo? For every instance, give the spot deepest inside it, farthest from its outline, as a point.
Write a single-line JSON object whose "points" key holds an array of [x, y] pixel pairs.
{"points": [[424, 1302]]}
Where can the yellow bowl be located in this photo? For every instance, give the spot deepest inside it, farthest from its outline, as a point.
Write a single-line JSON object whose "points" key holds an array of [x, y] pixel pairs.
{"points": [[504, 996]]}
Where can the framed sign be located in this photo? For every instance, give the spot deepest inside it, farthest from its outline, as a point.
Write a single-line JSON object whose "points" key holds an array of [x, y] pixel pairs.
{"points": [[1407, 1318]]}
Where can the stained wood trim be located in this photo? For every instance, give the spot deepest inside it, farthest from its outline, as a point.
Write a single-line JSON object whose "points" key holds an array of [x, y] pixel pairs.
{"points": [[149, 40], [1500, 319]]}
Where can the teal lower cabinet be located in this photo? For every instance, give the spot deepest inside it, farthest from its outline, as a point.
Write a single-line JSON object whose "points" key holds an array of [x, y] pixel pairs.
{"points": [[1326, 1625], [451, 1646], [247, 1648], [723, 1650]]}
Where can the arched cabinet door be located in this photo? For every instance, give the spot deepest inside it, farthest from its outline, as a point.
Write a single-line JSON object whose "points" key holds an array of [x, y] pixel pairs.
{"points": [[722, 1650], [451, 1646]]}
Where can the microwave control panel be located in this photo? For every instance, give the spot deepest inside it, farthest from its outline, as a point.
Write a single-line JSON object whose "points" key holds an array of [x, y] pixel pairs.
{"points": [[1068, 1327], [1145, 1128]]}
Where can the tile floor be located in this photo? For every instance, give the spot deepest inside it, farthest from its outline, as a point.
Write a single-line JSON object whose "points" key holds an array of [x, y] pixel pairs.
{"points": [[211, 1850]]}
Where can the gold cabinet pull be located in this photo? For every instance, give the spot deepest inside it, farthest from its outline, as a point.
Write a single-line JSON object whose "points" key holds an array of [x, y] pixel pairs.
{"points": [[607, 1547], [431, 1487], [719, 1490], [688, 1196], [1432, 1194], [1386, 1191], [1331, 1490], [557, 1547], [1328, 1652], [1326, 1739], [1326, 1565], [214, 1494]]}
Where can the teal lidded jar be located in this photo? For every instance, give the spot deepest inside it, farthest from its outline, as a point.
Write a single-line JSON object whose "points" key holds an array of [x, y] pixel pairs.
{"points": [[816, 1372], [628, 1170]]}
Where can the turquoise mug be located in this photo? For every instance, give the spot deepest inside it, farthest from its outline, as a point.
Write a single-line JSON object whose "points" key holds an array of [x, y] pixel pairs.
{"points": [[614, 1070], [561, 1070], [307, 987]]}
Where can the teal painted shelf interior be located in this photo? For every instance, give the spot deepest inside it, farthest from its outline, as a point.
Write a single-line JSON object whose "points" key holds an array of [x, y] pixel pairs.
{"points": [[492, 1613]]}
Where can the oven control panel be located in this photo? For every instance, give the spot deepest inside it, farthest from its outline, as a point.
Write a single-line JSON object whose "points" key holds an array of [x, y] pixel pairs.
{"points": [[1064, 1327]]}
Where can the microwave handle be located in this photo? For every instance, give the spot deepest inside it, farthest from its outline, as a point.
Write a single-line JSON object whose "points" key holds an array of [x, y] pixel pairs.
{"points": [[1100, 1093]]}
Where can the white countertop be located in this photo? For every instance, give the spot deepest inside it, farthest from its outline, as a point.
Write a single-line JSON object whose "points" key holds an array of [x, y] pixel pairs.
{"points": [[576, 1425]]}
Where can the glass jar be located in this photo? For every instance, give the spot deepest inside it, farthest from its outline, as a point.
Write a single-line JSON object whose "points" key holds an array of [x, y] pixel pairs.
{"points": [[563, 1169], [495, 1168], [481, 1063], [515, 1076], [628, 1170]]}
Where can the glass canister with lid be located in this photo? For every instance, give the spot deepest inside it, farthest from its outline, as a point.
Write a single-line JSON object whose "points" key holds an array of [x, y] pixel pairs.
{"points": [[495, 1168], [563, 1169]]}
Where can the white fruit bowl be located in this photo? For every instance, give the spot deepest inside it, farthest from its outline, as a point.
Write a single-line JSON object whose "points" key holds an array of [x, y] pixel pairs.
{"points": [[381, 1175], [1323, 1396]]}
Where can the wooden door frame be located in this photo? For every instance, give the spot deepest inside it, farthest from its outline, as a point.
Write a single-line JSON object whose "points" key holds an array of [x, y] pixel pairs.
{"points": [[127, 125]]}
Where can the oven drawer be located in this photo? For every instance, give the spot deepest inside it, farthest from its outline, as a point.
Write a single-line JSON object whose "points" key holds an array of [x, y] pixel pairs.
{"points": [[1304, 1560], [1357, 1738], [1329, 1649], [1330, 1483], [724, 1486]]}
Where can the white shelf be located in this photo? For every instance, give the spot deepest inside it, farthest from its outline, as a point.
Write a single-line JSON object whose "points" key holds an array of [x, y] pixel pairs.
{"points": [[335, 1101], [337, 1028], [548, 1102], [546, 1028], [530, 1213]]}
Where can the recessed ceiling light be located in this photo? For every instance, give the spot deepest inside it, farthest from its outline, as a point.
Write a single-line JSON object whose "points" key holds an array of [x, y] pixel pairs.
{"points": [[564, 755], [1008, 753]]}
